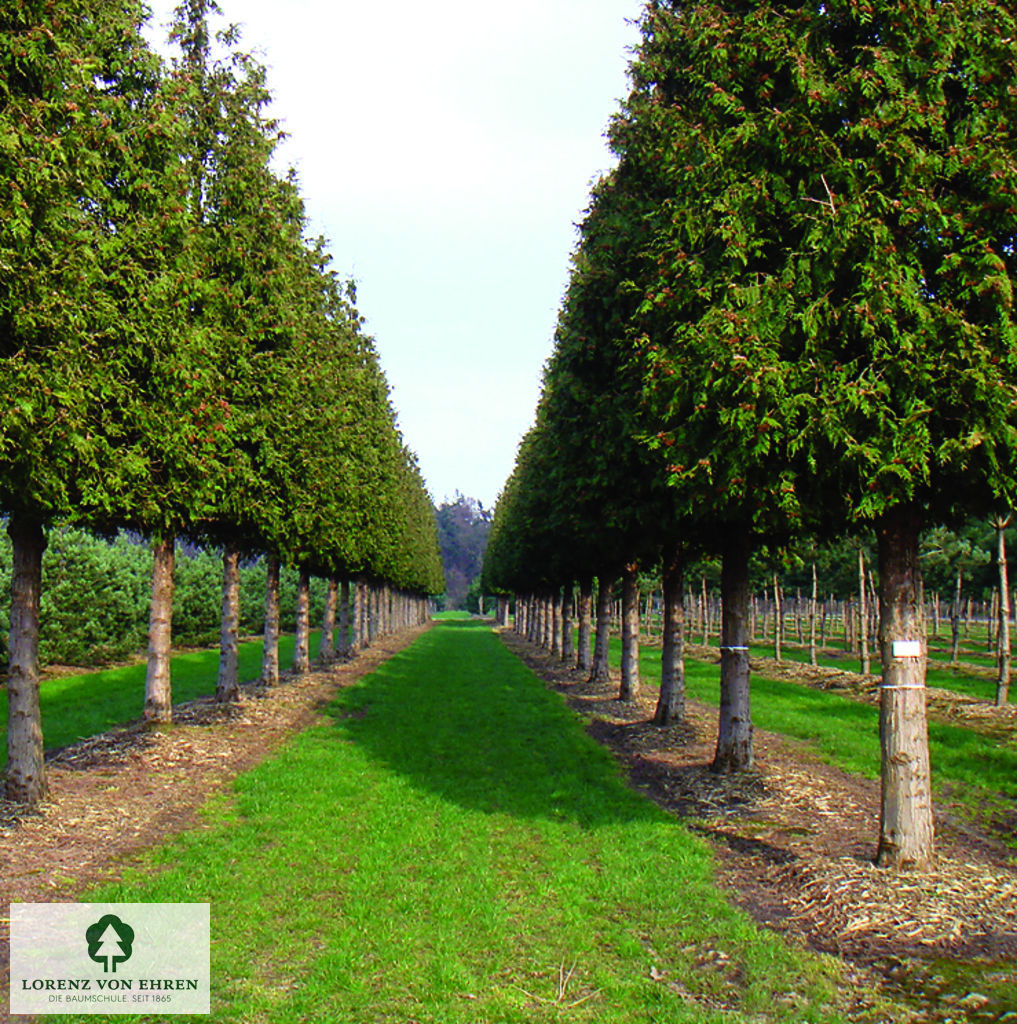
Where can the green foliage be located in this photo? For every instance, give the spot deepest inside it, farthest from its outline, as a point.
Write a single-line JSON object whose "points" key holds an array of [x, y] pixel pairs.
{"points": [[463, 526], [830, 319]]}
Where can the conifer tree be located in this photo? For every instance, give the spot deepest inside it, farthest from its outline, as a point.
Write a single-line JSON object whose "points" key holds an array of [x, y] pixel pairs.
{"points": [[827, 315], [75, 86]]}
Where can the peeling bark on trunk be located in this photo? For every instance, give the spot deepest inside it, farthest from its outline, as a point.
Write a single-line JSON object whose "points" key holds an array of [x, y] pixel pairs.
{"points": [[734, 730], [227, 686], [158, 684], [671, 703], [629, 689], [270, 652], [327, 650], [584, 654], [302, 646], [26, 771], [600, 672], [906, 827]]}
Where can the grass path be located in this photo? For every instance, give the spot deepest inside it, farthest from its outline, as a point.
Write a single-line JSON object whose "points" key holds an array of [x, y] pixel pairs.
{"points": [[447, 845]]}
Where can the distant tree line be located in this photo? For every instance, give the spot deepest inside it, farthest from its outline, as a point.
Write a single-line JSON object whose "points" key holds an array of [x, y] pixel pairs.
{"points": [[177, 359], [463, 525]]}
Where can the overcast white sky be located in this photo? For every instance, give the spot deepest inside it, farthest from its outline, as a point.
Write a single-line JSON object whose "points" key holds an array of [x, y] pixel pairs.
{"points": [[446, 150]]}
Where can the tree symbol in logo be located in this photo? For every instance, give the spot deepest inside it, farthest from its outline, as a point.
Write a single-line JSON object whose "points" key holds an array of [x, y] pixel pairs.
{"points": [[109, 942]]}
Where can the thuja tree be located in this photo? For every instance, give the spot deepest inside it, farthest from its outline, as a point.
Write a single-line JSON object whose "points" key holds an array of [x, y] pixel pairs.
{"points": [[843, 182], [707, 332], [612, 486], [72, 88]]}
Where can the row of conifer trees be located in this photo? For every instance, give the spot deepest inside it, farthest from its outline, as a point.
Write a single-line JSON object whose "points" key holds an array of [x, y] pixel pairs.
{"points": [[790, 317], [177, 358]]}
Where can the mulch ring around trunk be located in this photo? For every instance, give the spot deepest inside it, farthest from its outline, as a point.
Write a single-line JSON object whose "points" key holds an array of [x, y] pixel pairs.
{"points": [[795, 842]]}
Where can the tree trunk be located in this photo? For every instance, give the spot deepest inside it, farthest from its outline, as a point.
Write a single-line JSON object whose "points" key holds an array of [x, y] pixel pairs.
{"points": [[26, 770], [955, 617], [778, 619], [906, 829], [630, 634], [270, 652], [158, 684], [345, 645], [302, 645], [227, 687], [360, 616], [601, 672], [567, 640], [584, 655], [671, 703], [556, 624], [706, 616], [863, 616], [1003, 679], [327, 650], [734, 729], [813, 612]]}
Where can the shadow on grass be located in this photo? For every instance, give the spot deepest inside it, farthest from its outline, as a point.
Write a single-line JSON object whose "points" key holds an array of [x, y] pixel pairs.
{"points": [[459, 716]]}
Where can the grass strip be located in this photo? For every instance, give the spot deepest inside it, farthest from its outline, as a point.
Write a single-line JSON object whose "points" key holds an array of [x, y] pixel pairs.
{"points": [[75, 707], [449, 845], [938, 672]]}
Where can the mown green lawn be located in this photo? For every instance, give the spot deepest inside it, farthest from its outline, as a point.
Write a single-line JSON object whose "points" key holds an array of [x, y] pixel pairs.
{"points": [[78, 706], [449, 846]]}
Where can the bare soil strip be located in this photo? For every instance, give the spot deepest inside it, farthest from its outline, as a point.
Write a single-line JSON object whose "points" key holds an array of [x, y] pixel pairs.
{"points": [[796, 840]]}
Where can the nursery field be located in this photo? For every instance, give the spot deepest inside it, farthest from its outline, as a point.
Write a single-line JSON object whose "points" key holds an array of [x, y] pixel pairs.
{"points": [[449, 841]]}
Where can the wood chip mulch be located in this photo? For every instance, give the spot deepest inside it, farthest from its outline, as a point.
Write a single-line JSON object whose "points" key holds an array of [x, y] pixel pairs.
{"points": [[125, 790], [795, 841]]}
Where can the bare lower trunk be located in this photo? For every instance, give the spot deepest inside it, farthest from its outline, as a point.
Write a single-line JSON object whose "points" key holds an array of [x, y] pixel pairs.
{"points": [[600, 672], [227, 687], [813, 613], [270, 652], [344, 619], [671, 703], [26, 772], [567, 639], [705, 615], [302, 646], [734, 729], [360, 616], [584, 655], [554, 602], [158, 686], [778, 619], [863, 616], [1003, 679], [955, 617], [906, 828], [629, 689], [327, 650]]}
